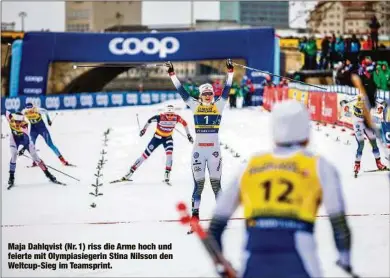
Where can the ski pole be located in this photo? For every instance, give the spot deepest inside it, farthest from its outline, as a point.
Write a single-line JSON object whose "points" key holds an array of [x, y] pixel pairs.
{"points": [[48, 166], [181, 133], [55, 116], [139, 127], [269, 73], [118, 65], [209, 244]]}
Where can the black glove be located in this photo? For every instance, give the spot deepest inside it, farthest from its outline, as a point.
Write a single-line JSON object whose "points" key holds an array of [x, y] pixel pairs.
{"points": [[142, 132], [229, 64], [21, 152], [190, 138], [170, 67], [49, 122]]}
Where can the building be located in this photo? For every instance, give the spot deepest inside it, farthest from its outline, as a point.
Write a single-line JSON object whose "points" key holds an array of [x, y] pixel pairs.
{"points": [[7, 26], [348, 17], [96, 16], [256, 13]]}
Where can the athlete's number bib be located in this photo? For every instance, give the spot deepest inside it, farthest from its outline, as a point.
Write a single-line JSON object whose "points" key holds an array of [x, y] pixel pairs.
{"points": [[281, 188], [207, 119], [33, 116]]}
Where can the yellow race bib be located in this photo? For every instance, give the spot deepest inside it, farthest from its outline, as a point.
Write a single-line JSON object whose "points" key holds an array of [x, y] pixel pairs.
{"points": [[281, 188], [207, 119], [33, 115]]}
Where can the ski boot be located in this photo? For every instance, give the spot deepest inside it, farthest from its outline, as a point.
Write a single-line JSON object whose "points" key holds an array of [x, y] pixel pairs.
{"points": [[34, 164], [11, 180], [379, 164], [356, 168], [166, 177], [63, 161], [127, 177], [50, 176], [194, 218]]}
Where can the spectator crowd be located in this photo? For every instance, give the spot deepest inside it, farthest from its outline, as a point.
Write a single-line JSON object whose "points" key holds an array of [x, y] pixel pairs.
{"points": [[335, 49], [377, 73], [241, 92]]}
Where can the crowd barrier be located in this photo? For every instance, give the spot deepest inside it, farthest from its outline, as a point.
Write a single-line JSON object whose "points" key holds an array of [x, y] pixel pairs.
{"points": [[333, 106], [88, 100]]}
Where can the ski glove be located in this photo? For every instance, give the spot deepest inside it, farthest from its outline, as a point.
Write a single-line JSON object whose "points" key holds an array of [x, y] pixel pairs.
{"points": [[170, 67], [142, 132], [229, 65], [190, 138]]}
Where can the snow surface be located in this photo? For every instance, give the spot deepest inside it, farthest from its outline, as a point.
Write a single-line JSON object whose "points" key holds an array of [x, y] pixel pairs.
{"points": [[37, 211]]}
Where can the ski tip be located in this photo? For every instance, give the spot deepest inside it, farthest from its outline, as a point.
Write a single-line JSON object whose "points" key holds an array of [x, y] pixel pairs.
{"points": [[116, 181], [58, 182]]}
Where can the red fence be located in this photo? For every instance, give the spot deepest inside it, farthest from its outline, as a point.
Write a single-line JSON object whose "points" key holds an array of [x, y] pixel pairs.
{"points": [[323, 107]]}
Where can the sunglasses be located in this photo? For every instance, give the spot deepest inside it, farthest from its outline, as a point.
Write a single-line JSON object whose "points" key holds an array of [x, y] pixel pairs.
{"points": [[169, 115], [207, 94]]}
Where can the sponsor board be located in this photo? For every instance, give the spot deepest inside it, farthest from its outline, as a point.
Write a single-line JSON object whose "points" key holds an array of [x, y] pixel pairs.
{"points": [[83, 100], [147, 46], [314, 105], [345, 105]]}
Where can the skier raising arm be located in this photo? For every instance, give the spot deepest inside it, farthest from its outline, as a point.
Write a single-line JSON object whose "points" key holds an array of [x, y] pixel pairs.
{"points": [[207, 119], [280, 192]]}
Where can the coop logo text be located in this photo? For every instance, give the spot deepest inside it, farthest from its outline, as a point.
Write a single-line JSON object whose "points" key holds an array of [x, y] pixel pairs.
{"points": [[33, 79], [148, 46]]}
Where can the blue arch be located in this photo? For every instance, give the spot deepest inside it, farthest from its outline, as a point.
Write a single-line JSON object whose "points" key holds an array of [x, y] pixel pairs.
{"points": [[39, 49]]}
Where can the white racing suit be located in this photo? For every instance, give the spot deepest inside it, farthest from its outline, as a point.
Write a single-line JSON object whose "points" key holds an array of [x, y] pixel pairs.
{"points": [[206, 151], [360, 130]]}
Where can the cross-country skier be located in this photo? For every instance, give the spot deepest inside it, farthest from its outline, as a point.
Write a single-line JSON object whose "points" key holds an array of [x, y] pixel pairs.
{"points": [[20, 136], [360, 130], [280, 192], [207, 118], [166, 123], [38, 127], [362, 120]]}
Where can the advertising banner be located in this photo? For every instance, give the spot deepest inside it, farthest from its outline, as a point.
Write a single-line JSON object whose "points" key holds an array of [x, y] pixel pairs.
{"points": [[386, 133], [314, 105], [299, 95], [294, 94], [329, 108], [39, 49], [345, 109], [87, 100]]}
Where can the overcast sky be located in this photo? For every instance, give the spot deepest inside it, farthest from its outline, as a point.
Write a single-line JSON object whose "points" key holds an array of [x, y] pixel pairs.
{"points": [[51, 15]]}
